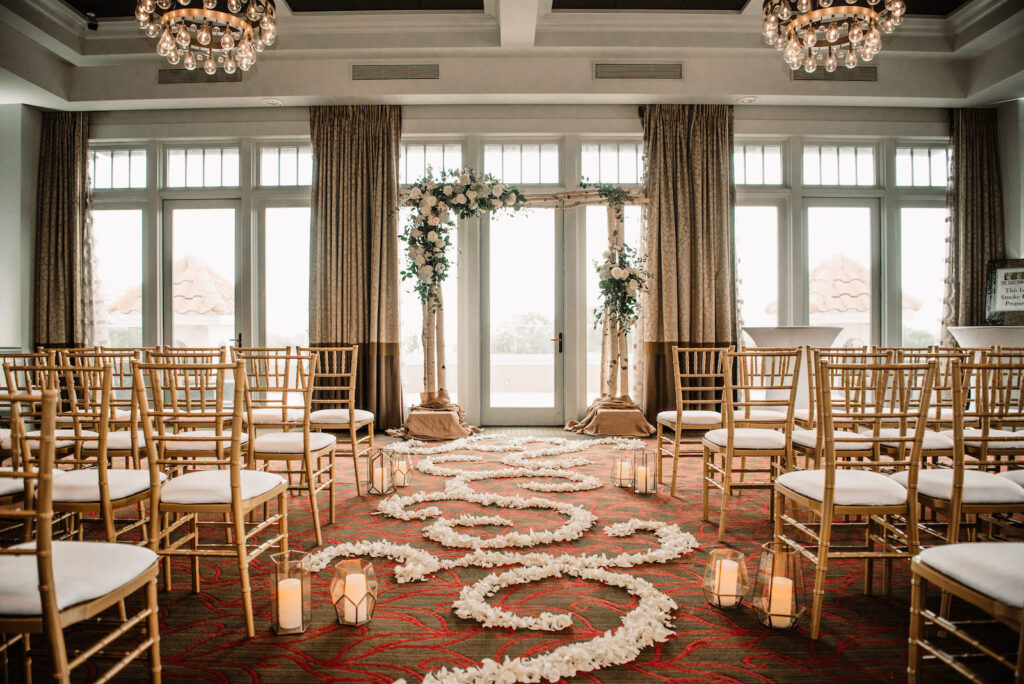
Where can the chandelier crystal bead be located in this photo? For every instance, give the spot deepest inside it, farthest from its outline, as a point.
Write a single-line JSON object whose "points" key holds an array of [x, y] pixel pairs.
{"points": [[225, 33], [827, 32]]}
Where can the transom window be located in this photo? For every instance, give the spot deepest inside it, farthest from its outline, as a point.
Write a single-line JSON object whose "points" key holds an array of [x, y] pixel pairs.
{"points": [[414, 160], [116, 169], [613, 163], [839, 165], [522, 163], [922, 167], [286, 165], [202, 167], [757, 164]]}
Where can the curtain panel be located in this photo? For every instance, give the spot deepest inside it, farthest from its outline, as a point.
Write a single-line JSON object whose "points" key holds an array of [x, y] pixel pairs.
{"points": [[354, 247], [975, 202], [688, 239], [62, 292]]}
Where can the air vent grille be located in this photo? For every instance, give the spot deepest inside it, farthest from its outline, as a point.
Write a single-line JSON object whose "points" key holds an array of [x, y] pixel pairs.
{"points": [[168, 76], [394, 72], [624, 70], [840, 74]]}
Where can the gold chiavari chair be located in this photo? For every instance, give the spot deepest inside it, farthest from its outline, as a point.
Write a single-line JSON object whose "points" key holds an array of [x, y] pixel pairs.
{"points": [[699, 378], [306, 454], [760, 389], [986, 575], [334, 402], [34, 380], [236, 352], [206, 484], [47, 586], [43, 358], [807, 418], [853, 486], [125, 436], [270, 376], [940, 411]]}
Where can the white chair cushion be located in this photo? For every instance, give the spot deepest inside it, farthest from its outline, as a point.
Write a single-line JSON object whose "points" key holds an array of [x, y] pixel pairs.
{"points": [[16, 485], [748, 438], [933, 441], [118, 414], [808, 438], [118, 440], [1014, 476], [979, 487], [291, 442], [214, 486], [976, 432], [82, 571], [63, 432], [802, 413], [338, 416], [83, 486], [759, 414], [853, 487], [691, 418], [5, 438], [274, 415], [990, 568], [201, 445]]}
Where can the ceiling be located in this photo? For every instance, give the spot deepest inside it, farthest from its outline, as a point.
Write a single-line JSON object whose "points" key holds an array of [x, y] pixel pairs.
{"points": [[107, 9]]}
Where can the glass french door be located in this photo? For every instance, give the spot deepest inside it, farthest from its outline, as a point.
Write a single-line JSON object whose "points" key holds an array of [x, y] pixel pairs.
{"points": [[522, 331], [205, 281]]}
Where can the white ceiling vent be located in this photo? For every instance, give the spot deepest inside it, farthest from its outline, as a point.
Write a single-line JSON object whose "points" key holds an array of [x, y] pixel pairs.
{"points": [[840, 74], [181, 75], [395, 72], [636, 70]]}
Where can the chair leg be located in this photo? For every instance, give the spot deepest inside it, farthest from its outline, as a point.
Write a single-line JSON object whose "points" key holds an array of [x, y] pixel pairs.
{"points": [[243, 569], [196, 580], [332, 492], [705, 491], [658, 445], [726, 493], [914, 655], [153, 627], [820, 571], [311, 488], [675, 460], [58, 654], [26, 643]]}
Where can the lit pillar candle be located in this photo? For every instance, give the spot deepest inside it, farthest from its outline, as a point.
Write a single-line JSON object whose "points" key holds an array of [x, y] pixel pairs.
{"points": [[642, 486], [289, 603], [402, 474], [780, 607], [726, 582], [355, 592], [624, 474], [379, 478]]}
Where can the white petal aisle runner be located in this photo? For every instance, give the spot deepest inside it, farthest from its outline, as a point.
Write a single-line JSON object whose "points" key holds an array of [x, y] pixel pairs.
{"points": [[648, 623]]}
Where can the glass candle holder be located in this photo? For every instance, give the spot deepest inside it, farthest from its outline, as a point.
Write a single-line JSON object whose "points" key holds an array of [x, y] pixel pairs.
{"points": [[778, 594], [401, 470], [622, 471], [725, 578], [645, 472], [379, 470], [354, 591], [290, 594]]}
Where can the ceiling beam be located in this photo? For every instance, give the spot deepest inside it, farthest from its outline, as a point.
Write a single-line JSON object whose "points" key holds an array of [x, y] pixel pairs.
{"points": [[517, 22]]}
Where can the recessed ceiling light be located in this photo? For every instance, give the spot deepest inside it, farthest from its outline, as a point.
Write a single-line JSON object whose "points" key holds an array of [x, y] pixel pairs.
{"points": [[273, 102], [746, 99]]}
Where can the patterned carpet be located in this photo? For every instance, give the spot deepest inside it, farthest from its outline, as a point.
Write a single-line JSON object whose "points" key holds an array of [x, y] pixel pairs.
{"points": [[415, 631]]}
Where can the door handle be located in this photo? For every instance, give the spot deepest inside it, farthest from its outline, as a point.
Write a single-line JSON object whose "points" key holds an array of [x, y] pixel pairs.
{"points": [[559, 341], [238, 340]]}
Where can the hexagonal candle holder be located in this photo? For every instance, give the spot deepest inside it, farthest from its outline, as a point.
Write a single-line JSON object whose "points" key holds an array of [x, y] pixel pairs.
{"points": [[354, 591]]}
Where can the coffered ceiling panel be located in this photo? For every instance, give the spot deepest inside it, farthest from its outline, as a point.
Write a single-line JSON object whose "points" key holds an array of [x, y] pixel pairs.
{"points": [[107, 9], [930, 7]]}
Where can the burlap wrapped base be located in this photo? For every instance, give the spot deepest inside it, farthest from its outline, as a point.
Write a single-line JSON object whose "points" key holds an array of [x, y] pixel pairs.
{"points": [[435, 418], [613, 417]]}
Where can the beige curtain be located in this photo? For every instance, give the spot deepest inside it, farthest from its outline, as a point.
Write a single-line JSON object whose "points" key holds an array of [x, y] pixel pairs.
{"points": [[62, 292], [688, 236], [975, 205], [354, 247]]}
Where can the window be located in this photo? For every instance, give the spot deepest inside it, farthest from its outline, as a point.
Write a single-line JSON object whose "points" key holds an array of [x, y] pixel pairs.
{"points": [[286, 165], [613, 163], [286, 278], [117, 277], [597, 243], [116, 169], [924, 233], [199, 167], [202, 277], [757, 164], [922, 167], [415, 159], [839, 165], [522, 163], [757, 266]]}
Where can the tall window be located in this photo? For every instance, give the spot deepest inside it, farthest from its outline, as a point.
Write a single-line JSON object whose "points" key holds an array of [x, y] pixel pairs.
{"points": [[117, 277], [839, 265], [757, 266], [286, 291], [924, 233]]}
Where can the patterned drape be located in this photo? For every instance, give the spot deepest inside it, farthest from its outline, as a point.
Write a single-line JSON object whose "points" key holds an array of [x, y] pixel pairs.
{"points": [[354, 247], [975, 206], [688, 237], [62, 292]]}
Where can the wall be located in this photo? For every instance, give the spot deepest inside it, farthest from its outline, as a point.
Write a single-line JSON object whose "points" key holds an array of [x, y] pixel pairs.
{"points": [[19, 150], [1011, 159]]}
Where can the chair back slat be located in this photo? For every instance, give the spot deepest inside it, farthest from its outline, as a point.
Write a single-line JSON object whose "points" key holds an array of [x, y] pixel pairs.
{"points": [[760, 380], [699, 377], [334, 385]]}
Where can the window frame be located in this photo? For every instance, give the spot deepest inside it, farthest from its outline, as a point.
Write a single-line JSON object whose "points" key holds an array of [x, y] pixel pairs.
{"points": [[259, 277], [414, 140], [783, 143], [637, 141], [561, 146], [245, 170], [879, 161], [257, 162], [118, 147]]}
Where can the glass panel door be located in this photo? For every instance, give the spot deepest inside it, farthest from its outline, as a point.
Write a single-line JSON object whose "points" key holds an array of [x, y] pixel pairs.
{"points": [[201, 288], [285, 290], [757, 266], [522, 340]]}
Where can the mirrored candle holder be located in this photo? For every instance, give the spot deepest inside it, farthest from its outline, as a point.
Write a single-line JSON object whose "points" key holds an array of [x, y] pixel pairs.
{"points": [[354, 591], [291, 596], [645, 472], [379, 469], [778, 593]]}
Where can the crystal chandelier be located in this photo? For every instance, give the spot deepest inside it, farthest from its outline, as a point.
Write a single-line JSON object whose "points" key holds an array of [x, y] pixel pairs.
{"points": [[228, 36], [810, 33]]}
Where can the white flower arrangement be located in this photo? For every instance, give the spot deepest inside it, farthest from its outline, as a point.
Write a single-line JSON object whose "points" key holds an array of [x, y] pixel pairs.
{"points": [[458, 193], [622, 278]]}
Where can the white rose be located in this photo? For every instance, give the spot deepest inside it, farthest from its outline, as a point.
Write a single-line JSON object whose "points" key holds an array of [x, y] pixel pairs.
{"points": [[416, 232], [425, 273], [441, 206], [415, 192], [460, 199], [618, 273], [419, 261], [471, 194], [431, 185], [497, 190], [464, 178], [447, 189], [473, 205], [431, 236], [498, 204], [433, 220], [431, 200], [425, 212], [444, 215]]}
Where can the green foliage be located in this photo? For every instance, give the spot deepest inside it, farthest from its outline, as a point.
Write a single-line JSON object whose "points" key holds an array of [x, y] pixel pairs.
{"points": [[616, 197], [622, 279]]}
